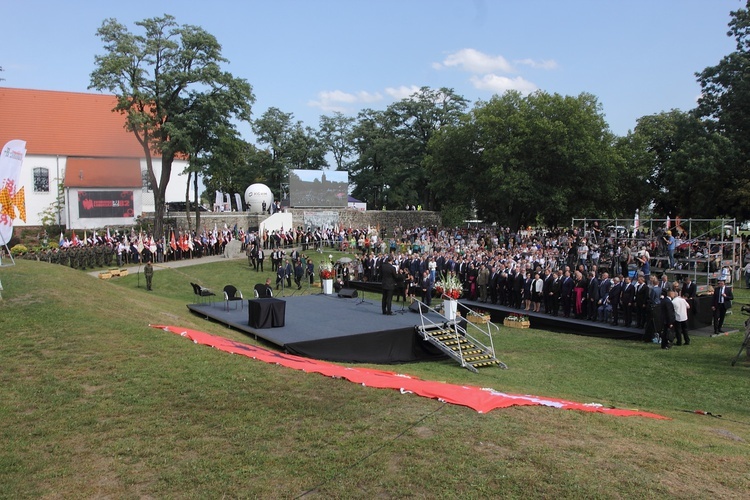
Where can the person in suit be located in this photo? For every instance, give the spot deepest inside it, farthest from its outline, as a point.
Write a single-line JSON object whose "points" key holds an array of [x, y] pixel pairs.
{"points": [[593, 297], [388, 282], [721, 302], [555, 291], [641, 301], [288, 273], [627, 301], [427, 287], [668, 319], [566, 293], [549, 279], [614, 299], [299, 272]]}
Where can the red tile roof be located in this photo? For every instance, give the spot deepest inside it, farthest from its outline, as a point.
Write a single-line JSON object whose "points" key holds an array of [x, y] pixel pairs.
{"points": [[103, 173], [65, 123]]}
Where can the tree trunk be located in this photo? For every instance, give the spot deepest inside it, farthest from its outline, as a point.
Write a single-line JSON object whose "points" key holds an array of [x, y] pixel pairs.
{"points": [[197, 204], [160, 193]]}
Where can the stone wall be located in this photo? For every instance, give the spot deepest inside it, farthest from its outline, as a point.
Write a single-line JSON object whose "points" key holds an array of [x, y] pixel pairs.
{"points": [[384, 219]]}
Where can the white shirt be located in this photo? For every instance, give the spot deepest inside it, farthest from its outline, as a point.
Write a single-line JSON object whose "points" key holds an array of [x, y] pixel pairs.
{"points": [[680, 309]]}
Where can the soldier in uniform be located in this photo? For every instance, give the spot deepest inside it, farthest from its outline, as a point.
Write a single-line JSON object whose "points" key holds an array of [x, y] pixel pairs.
{"points": [[148, 271]]}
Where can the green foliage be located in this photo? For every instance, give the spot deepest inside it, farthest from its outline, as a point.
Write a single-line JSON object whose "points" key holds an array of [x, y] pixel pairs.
{"points": [[524, 159], [171, 90], [453, 215], [689, 166], [18, 250], [725, 104]]}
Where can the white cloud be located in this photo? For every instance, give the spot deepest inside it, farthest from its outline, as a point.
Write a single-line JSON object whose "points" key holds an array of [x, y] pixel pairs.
{"points": [[343, 102], [500, 84], [543, 64], [473, 61], [402, 92]]}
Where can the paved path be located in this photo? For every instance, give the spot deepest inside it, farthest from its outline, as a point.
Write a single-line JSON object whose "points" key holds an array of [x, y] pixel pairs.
{"points": [[172, 264]]}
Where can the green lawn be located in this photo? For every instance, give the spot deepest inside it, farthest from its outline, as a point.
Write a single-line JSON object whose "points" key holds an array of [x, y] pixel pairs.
{"points": [[95, 403]]}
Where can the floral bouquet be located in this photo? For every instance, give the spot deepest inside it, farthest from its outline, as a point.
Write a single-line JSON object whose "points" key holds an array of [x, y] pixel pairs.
{"points": [[326, 270], [516, 317], [451, 287]]}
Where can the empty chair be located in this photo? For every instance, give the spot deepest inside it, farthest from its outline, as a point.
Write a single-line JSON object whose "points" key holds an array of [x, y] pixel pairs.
{"points": [[231, 294], [202, 292], [262, 291]]}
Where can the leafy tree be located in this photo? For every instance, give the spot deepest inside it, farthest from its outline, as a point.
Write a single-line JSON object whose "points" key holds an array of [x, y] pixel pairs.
{"points": [[687, 163], [162, 78], [290, 146], [540, 158], [334, 134], [391, 148], [725, 103]]}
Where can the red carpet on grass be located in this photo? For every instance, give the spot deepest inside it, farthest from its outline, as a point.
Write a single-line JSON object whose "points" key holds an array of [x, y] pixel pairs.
{"points": [[477, 398]]}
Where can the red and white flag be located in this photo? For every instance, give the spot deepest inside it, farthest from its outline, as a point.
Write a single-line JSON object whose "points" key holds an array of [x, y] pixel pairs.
{"points": [[12, 200]]}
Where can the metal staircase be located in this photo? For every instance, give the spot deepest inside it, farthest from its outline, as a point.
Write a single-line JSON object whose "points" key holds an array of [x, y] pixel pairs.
{"points": [[458, 338]]}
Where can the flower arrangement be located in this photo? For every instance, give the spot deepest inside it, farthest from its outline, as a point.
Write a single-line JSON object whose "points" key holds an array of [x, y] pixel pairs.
{"points": [[516, 317], [450, 287], [326, 270]]}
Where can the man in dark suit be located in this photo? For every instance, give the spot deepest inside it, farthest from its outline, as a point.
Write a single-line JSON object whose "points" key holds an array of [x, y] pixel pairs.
{"points": [[641, 301], [592, 296], [566, 292], [627, 301], [667, 315], [554, 294], [388, 281], [549, 279], [722, 301], [614, 299]]}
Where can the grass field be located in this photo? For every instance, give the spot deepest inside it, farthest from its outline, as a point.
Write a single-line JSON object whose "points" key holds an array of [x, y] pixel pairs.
{"points": [[95, 403]]}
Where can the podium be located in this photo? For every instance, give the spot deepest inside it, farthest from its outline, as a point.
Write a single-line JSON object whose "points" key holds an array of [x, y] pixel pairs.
{"points": [[266, 313]]}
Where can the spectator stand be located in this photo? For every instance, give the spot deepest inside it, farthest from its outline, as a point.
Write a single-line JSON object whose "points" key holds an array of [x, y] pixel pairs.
{"points": [[706, 249]]}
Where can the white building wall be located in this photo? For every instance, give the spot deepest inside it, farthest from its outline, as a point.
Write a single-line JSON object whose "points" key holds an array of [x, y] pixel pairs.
{"points": [[39, 202]]}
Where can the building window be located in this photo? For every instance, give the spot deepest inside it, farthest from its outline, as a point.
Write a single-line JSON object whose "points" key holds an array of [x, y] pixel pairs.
{"points": [[147, 187], [41, 180]]}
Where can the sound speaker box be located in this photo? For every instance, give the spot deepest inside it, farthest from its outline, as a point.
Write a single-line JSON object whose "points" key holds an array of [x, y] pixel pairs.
{"points": [[347, 293], [414, 307]]}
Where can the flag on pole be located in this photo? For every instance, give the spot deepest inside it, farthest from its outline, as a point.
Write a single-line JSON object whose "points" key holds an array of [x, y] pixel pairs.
{"points": [[172, 242], [109, 237], [62, 240], [12, 200]]}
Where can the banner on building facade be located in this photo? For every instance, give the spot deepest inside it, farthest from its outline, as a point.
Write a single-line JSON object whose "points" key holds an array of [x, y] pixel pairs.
{"points": [[105, 204]]}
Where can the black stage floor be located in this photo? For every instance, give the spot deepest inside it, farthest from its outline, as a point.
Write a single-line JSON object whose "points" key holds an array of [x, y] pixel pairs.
{"points": [[331, 328]]}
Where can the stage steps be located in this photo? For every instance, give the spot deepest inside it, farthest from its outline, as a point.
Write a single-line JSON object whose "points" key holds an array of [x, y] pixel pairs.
{"points": [[451, 339]]}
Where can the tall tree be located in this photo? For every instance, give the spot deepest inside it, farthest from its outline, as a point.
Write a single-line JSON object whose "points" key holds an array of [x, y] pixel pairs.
{"points": [[290, 146], [687, 164], [160, 78], [335, 134], [725, 103], [543, 158], [391, 148]]}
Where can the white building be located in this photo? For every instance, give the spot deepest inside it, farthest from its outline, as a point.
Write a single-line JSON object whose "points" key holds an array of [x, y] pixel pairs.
{"points": [[78, 147]]}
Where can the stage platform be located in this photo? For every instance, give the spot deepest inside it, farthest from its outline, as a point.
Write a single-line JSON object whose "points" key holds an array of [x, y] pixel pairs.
{"points": [[331, 328], [559, 323]]}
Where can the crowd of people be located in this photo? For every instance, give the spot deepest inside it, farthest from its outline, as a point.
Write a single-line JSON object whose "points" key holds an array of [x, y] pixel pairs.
{"points": [[583, 273], [577, 273]]}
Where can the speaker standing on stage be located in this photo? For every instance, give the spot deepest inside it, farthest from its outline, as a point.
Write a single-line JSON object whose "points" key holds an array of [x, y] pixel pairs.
{"points": [[388, 281]]}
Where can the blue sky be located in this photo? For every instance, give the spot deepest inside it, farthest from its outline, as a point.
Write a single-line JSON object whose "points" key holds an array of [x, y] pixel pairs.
{"points": [[313, 57]]}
